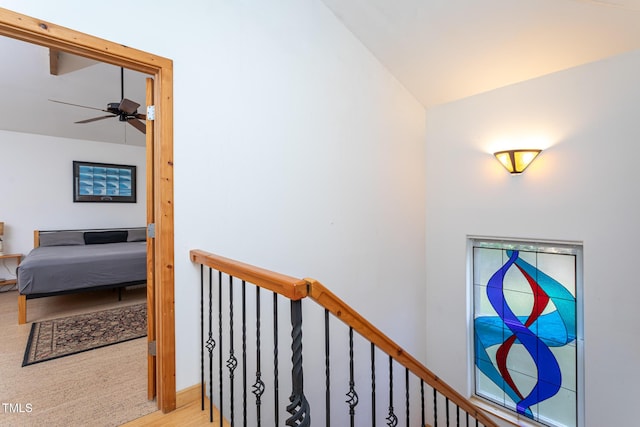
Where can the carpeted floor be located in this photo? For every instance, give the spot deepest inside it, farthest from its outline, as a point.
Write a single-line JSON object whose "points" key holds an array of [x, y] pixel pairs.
{"points": [[51, 339], [103, 387]]}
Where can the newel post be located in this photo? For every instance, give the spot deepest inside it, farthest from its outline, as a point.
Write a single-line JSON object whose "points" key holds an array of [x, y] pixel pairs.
{"points": [[299, 407]]}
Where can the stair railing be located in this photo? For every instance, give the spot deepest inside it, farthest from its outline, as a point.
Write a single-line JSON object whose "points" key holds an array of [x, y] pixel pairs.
{"points": [[442, 405]]}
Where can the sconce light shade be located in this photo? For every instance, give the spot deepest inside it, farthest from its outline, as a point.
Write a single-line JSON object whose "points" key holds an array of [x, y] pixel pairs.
{"points": [[516, 161], [1, 229]]}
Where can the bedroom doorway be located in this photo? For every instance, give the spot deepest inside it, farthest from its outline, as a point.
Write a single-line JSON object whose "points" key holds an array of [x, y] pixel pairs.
{"points": [[159, 177]]}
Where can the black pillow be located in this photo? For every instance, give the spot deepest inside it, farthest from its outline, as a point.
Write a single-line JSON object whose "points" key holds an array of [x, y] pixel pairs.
{"points": [[99, 237]]}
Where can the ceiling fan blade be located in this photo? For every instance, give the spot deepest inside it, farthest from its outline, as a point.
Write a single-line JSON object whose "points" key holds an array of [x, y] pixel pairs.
{"points": [[138, 125], [141, 116], [76, 105], [128, 106], [95, 119]]}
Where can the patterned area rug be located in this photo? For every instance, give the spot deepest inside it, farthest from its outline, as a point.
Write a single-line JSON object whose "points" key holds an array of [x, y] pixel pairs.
{"points": [[56, 338]]}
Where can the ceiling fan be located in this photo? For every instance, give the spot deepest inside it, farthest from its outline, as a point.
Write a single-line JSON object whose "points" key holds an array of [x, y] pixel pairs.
{"points": [[125, 110]]}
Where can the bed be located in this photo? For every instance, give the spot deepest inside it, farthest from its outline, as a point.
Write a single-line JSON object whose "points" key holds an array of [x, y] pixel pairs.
{"points": [[70, 261]]}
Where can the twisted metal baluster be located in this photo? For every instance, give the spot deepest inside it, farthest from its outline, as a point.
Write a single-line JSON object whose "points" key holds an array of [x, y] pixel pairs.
{"points": [[275, 358], [258, 386], [211, 344], [299, 407], [352, 395], [232, 362], [373, 384], [392, 420], [220, 410], [327, 371]]}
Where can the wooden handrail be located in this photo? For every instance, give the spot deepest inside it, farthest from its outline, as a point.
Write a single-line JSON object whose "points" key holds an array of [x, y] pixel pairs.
{"points": [[351, 318], [296, 289], [287, 286]]}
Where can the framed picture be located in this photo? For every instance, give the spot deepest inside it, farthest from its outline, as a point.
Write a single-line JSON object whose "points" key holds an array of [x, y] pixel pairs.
{"points": [[103, 182]]}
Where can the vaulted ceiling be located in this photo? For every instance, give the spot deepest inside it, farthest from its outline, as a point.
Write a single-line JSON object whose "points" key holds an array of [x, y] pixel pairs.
{"points": [[443, 50], [440, 50]]}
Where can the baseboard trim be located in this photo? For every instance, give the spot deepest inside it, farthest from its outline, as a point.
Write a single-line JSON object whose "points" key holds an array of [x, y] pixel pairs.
{"points": [[188, 395]]}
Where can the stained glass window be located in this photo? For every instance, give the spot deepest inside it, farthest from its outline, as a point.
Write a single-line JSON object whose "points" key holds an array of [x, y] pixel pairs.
{"points": [[525, 326]]}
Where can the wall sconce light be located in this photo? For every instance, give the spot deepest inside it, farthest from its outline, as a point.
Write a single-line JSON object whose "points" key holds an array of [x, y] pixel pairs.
{"points": [[1, 235], [516, 161]]}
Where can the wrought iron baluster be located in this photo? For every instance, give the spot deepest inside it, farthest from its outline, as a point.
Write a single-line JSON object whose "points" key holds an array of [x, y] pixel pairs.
{"points": [[244, 353], [373, 385], [424, 420], [299, 407], [202, 383], [446, 408], [275, 359], [221, 408], [258, 386], [392, 420], [467, 414], [435, 408], [352, 395], [327, 371], [211, 344], [232, 362], [457, 416], [406, 393]]}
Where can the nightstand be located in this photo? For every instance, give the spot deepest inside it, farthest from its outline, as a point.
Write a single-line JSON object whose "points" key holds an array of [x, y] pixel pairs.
{"points": [[18, 258]]}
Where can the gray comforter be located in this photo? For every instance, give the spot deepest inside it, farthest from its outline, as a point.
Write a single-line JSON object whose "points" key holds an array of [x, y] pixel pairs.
{"points": [[52, 269]]}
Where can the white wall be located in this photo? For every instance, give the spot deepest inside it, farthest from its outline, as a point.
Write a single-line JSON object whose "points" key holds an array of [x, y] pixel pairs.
{"points": [[295, 150], [582, 188], [37, 187], [313, 165]]}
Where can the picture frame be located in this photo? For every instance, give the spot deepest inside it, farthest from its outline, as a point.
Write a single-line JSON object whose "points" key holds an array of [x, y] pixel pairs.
{"points": [[103, 182]]}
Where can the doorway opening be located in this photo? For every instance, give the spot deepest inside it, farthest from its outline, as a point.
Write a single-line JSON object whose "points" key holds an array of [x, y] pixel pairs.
{"points": [[159, 172]]}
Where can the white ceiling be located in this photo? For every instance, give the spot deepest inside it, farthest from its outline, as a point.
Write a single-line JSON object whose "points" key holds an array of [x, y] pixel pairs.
{"points": [[440, 50], [27, 86], [443, 50]]}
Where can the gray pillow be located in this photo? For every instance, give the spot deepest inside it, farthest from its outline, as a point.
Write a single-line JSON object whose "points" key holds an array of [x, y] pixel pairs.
{"points": [[137, 235], [62, 238]]}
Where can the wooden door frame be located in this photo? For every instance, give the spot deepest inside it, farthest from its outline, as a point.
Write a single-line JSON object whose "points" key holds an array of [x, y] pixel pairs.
{"points": [[49, 35]]}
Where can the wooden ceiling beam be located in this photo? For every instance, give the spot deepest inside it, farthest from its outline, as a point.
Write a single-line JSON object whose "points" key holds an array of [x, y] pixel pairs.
{"points": [[54, 56]]}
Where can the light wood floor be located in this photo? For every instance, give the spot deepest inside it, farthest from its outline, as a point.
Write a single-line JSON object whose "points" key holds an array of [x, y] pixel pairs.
{"points": [[188, 413]]}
